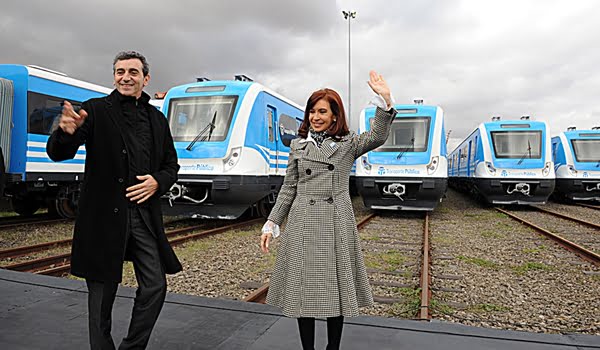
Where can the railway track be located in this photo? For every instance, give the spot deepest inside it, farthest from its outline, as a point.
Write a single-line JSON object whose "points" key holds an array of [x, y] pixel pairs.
{"points": [[58, 265], [581, 251], [12, 253], [592, 206], [10, 222]]}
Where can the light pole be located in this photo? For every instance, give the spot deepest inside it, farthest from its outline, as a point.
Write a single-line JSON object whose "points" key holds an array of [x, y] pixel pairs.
{"points": [[349, 15]]}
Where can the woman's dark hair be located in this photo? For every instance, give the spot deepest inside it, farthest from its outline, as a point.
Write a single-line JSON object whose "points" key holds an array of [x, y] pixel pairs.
{"points": [[339, 127]]}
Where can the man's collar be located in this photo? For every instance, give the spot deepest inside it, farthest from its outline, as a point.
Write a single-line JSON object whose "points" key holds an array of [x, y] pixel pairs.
{"points": [[144, 98]]}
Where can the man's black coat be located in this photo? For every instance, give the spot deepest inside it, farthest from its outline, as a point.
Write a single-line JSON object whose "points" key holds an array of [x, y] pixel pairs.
{"points": [[99, 240]]}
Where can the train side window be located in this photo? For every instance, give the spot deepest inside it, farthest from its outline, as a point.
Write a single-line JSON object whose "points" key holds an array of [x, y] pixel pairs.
{"points": [[42, 111], [270, 123], [288, 129]]}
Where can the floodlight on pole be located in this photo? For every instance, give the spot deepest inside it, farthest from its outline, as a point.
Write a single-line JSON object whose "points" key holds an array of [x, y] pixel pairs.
{"points": [[349, 15]]}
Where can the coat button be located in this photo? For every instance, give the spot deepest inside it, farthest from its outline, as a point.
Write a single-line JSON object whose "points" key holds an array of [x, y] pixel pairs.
{"points": [[116, 210], [330, 200], [120, 180], [308, 171], [311, 202], [331, 167], [124, 151]]}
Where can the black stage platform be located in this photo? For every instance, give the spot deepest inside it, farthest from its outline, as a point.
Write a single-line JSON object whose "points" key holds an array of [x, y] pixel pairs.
{"points": [[40, 312]]}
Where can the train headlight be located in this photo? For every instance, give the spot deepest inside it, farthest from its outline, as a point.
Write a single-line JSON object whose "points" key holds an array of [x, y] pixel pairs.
{"points": [[232, 159], [366, 164], [432, 166], [572, 170], [546, 169], [490, 168]]}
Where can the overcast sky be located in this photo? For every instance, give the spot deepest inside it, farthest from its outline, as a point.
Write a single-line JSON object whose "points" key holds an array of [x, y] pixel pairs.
{"points": [[474, 58]]}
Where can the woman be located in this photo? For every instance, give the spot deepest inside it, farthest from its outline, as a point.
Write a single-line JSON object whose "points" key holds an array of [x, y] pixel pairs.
{"points": [[319, 271]]}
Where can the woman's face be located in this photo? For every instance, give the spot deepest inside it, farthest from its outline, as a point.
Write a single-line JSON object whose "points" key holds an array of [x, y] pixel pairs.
{"points": [[320, 116]]}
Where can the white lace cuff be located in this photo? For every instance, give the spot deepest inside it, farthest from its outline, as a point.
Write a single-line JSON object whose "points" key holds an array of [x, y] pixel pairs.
{"points": [[272, 228], [379, 101]]}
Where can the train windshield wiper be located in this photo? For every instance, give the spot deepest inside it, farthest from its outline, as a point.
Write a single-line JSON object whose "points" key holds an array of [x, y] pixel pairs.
{"points": [[412, 146], [526, 153], [210, 126]]}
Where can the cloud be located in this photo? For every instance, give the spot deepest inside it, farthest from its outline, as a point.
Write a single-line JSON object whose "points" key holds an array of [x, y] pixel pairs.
{"points": [[474, 58]]}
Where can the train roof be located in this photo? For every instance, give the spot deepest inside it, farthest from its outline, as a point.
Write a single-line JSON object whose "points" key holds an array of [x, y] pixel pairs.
{"points": [[504, 125], [406, 109], [590, 133], [223, 87], [48, 74], [517, 123]]}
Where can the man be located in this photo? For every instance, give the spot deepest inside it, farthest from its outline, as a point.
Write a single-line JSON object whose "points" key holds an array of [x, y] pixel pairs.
{"points": [[130, 162]]}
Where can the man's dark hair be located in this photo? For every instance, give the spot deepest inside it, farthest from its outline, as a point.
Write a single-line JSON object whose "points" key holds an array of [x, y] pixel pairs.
{"points": [[127, 55]]}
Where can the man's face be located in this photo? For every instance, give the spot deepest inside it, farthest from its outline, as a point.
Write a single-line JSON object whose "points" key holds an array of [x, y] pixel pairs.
{"points": [[129, 78]]}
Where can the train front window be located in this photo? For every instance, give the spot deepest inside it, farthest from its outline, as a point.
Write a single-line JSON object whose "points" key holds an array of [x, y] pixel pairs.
{"points": [[209, 115], [517, 144], [407, 135], [586, 150]]}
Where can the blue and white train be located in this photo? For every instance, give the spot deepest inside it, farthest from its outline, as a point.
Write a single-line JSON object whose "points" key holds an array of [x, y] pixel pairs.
{"points": [[232, 138], [409, 171], [505, 162], [576, 155], [31, 99]]}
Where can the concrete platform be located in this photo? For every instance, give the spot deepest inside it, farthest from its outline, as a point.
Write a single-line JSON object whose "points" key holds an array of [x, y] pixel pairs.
{"points": [[40, 312]]}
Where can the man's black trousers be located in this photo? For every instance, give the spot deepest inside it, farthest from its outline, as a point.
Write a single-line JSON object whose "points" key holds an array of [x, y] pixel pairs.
{"points": [[149, 297]]}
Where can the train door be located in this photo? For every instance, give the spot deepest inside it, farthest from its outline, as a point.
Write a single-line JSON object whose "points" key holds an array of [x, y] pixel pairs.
{"points": [[554, 149], [469, 162], [6, 113], [272, 139]]}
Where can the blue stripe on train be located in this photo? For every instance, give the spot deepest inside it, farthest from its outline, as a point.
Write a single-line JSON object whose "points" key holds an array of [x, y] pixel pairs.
{"points": [[47, 160]]}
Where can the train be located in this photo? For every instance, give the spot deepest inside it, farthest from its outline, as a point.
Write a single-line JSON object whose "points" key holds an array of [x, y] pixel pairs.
{"points": [[505, 162], [576, 155], [31, 99], [409, 171], [232, 139]]}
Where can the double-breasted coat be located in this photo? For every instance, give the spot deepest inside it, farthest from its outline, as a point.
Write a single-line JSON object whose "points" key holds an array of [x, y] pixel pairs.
{"points": [[99, 238], [320, 270]]}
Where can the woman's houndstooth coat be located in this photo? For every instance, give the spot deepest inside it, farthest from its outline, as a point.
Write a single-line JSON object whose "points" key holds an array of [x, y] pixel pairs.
{"points": [[320, 270]]}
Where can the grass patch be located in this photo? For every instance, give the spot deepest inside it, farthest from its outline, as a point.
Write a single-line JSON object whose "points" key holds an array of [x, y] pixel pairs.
{"points": [[503, 226], [389, 261], [471, 215], [246, 233], [491, 234], [442, 239], [478, 261], [410, 305], [371, 238], [531, 266], [441, 307], [442, 209], [373, 262], [482, 308], [392, 257], [498, 214]]}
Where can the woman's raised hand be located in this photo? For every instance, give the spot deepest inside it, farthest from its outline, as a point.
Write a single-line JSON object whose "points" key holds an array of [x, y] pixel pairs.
{"points": [[380, 87]]}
